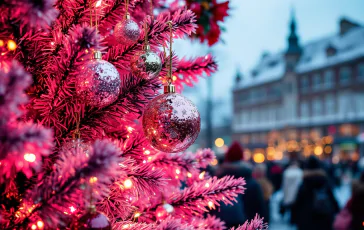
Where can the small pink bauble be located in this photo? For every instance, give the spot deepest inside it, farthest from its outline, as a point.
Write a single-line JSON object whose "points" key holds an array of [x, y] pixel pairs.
{"points": [[171, 123], [93, 220], [127, 32], [98, 83], [163, 211]]}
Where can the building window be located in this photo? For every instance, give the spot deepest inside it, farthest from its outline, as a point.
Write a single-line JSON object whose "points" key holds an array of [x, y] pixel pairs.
{"points": [[305, 110], [345, 75], [329, 80], [361, 72], [316, 81], [304, 84], [330, 104], [317, 107]]}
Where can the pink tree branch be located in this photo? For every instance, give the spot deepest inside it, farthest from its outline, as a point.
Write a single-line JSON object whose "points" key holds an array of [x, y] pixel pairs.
{"points": [[194, 199], [188, 71], [256, 223], [65, 186]]}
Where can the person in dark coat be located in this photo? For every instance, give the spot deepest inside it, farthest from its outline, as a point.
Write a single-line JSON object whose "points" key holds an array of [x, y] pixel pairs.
{"points": [[315, 205], [356, 206], [252, 201]]}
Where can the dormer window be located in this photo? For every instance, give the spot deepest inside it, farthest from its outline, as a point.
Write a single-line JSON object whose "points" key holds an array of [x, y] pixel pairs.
{"points": [[331, 50]]}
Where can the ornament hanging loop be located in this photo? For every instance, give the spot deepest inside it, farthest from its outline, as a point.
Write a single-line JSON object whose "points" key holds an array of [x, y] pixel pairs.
{"points": [[170, 88], [127, 15]]}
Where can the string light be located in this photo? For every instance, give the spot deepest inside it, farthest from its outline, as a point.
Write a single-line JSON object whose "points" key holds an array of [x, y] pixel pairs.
{"points": [[11, 45], [93, 180], [30, 157], [130, 129], [34, 226], [178, 171], [210, 204], [98, 3], [128, 183], [207, 185], [202, 175], [189, 174], [146, 152], [137, 214], [72, 209], [1, 42], [40, 224]]}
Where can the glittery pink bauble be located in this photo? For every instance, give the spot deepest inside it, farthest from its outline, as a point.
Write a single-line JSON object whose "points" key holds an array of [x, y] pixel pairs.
{"points": [[91, 221], [171, 123], [98, 83], [163, 211], [146, 64], [127, 32]]}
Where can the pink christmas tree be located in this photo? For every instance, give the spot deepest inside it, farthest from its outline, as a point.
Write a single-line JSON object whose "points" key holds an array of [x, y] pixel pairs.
{"points": [[73, 154]]}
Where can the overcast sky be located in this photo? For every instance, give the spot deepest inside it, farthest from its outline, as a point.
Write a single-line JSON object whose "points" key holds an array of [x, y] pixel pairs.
{"points": [[255, 26]]}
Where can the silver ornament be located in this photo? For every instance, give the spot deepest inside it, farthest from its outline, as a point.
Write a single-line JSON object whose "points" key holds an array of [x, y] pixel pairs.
{"points": [[146, 64], [127, 31], [98, 83], [171, 123]]}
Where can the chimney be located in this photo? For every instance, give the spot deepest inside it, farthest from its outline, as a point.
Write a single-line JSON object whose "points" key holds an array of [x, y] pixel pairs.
{"points": [[346, 25]]}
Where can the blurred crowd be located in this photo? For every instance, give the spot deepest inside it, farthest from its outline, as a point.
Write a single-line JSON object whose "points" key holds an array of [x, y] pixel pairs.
{"points": [[307, 186]]}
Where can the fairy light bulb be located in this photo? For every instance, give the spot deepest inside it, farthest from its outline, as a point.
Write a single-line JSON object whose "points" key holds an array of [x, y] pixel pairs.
{"points": [[210, 204], [30, 157], [40, 224], [11, 45], [128, 183], [34, 227], [189, 174], [178, 171], [72, 209], [98, 3], [202, 175], [137, 214], [207, 185], [93, 180]]}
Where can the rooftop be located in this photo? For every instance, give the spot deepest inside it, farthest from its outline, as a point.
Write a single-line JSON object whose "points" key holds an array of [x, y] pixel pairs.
{"points": [[338, 48]]}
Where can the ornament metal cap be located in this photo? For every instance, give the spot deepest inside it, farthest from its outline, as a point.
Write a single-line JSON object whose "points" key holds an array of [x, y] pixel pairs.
{"points": [[91, 209], [127, 16], [170, 88], [97, 54]]}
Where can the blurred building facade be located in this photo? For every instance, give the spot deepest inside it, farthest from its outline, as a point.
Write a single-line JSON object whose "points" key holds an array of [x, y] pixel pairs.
{"points": [[308, 98]]}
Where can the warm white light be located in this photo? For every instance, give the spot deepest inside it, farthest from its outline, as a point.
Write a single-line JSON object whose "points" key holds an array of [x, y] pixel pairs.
{"points": [[189, 174], [128, 183], [40, 224], [210, 204], [219, 142], [202, 175], [93, 180], [72, 209], [30, 157], [207, 185], [214, 162], [130, 129], [98, 3], [146, 152], [137, 214], [178, 171], [34, 226], [11, 45]]}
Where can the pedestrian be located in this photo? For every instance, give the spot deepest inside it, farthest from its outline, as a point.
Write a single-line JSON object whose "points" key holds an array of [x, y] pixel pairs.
{"points": [[248, 204], [292, 179], [352, 215], [260, 174], [315, 205]]}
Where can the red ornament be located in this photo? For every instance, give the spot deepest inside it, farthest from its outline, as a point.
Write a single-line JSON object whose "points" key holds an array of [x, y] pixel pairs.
{"points": [[93, 220], [171, 123]]}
